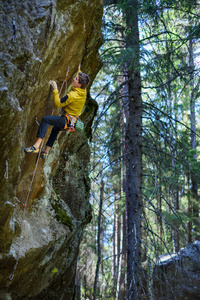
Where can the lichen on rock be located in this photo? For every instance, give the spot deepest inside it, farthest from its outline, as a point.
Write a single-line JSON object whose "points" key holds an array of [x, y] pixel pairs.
{"points": [[40, 243]]}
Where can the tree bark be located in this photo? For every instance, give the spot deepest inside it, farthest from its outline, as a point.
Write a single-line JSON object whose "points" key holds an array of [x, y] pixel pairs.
{"points": [[78, 285], [134, 156], [194, 187], [114, 249], [98, 241], [121, 290]]}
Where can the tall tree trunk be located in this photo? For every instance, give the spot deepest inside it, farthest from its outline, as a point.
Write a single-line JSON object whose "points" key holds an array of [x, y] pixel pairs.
{"points": [[78, 285], [114, 249], [85, 287], [98, 242], [159, 218], [122, 249], [174, 185], [176, 188], [121, 286], [194, 187], [118, 245], [189, 210], [134, 155], [118, 238]]}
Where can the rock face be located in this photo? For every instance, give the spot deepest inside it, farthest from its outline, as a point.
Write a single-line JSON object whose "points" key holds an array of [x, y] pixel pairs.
{"points": [[178, 276], [39, 243]]}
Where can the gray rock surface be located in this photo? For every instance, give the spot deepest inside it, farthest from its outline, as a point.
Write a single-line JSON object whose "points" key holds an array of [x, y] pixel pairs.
{"points": [[177, 276], [39, 244]]}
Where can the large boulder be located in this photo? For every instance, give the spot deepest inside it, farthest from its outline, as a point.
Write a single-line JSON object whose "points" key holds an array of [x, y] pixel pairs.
{"points": [[39, 243], [177, 276]]}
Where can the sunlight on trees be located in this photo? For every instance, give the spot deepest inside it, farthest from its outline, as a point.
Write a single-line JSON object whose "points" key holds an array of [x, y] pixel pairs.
{"points": [[165, 214]]}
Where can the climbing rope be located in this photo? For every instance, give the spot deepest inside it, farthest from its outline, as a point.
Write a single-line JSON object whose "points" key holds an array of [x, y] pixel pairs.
{"points": [[29, 191], [6, 172], [20, 201], [23, 217], [65, 81]]}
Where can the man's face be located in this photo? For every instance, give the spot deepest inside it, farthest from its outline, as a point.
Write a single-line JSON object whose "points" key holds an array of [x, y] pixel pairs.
{"points": [[75, 82]]}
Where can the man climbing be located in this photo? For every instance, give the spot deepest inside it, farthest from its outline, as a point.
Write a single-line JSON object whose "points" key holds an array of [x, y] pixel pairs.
{"points": [[72, 105]]}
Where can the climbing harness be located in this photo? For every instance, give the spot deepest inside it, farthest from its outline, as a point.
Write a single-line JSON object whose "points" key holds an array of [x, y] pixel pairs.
{"points": [[69, 122], [14, 30], [73, 123]]}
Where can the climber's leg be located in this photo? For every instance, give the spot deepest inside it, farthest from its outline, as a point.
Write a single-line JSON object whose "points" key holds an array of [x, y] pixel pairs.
{"points": [[37, 143], [50, 142], [57, 121], [52, 137]]}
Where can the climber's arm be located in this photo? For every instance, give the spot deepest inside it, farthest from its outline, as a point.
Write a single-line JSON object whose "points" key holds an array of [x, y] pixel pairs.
{"points": [[57, 101], [54, 84], [64, 101], [78, 71]]}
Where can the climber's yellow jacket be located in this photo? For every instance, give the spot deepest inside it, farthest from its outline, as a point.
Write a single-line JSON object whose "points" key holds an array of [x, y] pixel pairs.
{"points": [[73, 102]]}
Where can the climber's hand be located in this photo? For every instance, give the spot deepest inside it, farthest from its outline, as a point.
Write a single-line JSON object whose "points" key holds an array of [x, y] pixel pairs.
{"points": [[54, 84]]}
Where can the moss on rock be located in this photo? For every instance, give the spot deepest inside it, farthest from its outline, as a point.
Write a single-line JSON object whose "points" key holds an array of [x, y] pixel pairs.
{"points": [[6, 232], [62, 216]]}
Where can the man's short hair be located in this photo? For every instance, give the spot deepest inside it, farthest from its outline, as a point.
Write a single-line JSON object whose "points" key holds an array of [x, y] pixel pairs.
{"points": [[84, 79]]}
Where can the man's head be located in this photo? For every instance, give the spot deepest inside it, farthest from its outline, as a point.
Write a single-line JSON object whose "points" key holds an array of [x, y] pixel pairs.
{"points": [[81, 81]]}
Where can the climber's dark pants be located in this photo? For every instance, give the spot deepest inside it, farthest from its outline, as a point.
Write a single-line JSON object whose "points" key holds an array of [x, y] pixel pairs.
{"points": [[57, 121]]}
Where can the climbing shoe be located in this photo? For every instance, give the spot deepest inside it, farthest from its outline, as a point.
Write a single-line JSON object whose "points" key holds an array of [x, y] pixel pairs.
{"points": [[31, 149], [43, 154]]}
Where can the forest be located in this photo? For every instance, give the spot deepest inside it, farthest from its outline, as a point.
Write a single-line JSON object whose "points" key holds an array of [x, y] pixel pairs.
{"points": [[145, 148]]}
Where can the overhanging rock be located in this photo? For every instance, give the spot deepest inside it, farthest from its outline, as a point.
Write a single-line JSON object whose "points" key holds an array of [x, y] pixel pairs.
{"points": [[39, 244]]}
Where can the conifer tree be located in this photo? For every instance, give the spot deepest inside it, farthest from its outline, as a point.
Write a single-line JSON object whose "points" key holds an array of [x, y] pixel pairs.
{"points": [[156, 156]]}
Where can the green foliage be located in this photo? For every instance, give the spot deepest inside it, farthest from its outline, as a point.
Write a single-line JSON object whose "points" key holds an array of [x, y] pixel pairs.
{"points": [[170, 164]]}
